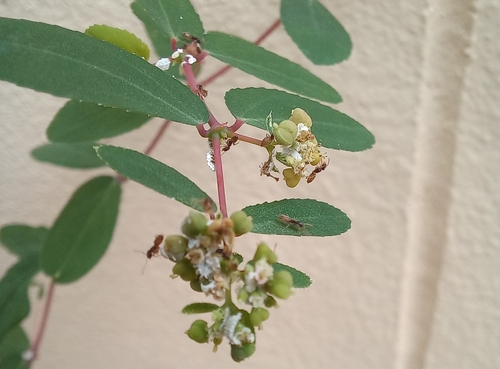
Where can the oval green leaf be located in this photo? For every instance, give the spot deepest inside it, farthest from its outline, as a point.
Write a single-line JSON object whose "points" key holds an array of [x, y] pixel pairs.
{"points": [[119, 37], [300, 279], [168, 18], [153, 174], [81, 234], [332, 128], [12, 347], [316, 32], [67, 63], [72, 155], [23, 240], [268, 66], [14, 301], [199, 308], [82, 121], [312, 218]]}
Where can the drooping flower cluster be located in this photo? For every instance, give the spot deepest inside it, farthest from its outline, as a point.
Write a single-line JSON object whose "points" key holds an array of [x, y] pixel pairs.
{"points": [[204, 256], [293, 145], [179, 56]]}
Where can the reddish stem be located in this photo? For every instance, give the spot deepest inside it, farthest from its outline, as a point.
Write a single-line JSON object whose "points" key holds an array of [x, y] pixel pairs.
{"points": [[248, 139], [45, 317], [223, 70], [221, 192], [157, 138]]}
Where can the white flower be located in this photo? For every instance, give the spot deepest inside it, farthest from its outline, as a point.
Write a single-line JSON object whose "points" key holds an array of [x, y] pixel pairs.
{"points": [[263, 271], [288, 151], [301, 127], [190, 59], [163, 63]]}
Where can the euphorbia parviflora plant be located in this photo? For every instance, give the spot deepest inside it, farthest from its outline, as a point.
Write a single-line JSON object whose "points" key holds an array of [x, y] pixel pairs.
{"points": [[113, 89]]}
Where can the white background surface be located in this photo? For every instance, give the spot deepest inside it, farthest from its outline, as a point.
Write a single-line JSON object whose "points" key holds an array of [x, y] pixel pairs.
{"points": [[414, 284]]}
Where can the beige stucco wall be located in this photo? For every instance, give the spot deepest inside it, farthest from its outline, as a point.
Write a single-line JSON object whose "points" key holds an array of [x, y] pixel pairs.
{"points": [[415, 284]]}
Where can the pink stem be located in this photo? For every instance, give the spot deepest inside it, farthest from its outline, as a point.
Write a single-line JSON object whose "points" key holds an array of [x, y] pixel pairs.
{"points": [[223, 70], [237, 125], [221, 192], [45, 317]]}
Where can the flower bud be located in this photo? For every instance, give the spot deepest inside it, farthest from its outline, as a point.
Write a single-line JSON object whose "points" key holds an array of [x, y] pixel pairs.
{"points": [[263, 251], [185, 270], [291, 179], [195, 285], [243, 295], [175, 247], [258, 315], [315, 158], [198, 331], [242, 222], [240, 353], [300, 116], [285, 132], [281, 285], [270, 302], [194, 224]]}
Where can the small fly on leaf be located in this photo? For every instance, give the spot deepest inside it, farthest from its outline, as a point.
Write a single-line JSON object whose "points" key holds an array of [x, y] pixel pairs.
{"points": [[297, 224]]}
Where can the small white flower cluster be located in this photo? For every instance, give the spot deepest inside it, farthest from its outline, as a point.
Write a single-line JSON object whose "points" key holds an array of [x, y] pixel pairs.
{"points": [[255, 277], [231, 327], [177, 57]]}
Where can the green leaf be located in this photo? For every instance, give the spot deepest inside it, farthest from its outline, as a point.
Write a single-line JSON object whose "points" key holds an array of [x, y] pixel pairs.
{"points": [[268, 66], [12, 347], [160, 40], [23, 240], [153, 174], [82, 232], [121, 38], [315, 218], [72, 155], [81, 121], [14, 301], [300, 279], [316, 32], [199, 308], [332, 128], [71, 64], [168, 19]]}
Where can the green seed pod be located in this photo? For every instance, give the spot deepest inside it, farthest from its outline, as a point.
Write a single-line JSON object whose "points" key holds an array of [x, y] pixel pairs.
{"points": [[243, 295], [258, 315], [281, 285], [194, 224], [291, 179], [300, 116], [285, 132], [185, 270], [198, 331], [270, 302], [195, 285], [242, 222], [240, 353], [175, 247], [263, 251]]}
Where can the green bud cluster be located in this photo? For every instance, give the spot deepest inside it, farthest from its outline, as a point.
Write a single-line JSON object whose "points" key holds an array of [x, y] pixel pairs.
{"points": [[203, 257]]}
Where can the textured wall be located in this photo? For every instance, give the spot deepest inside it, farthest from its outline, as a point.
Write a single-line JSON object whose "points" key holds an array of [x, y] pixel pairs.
{"points": [[413, 285]]}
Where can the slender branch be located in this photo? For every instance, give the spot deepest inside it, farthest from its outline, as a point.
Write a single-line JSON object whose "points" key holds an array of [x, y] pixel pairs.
{"points": [[221, 192], [41, 330], [223, 70], [254, 141], [157, 138]]}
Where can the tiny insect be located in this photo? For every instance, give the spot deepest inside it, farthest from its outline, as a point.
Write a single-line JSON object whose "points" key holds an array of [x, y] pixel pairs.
{"points": [[190, 37], [201, 92], [317, 170], [155, 249], [194, 46], [232, 141], [297, 224]]}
